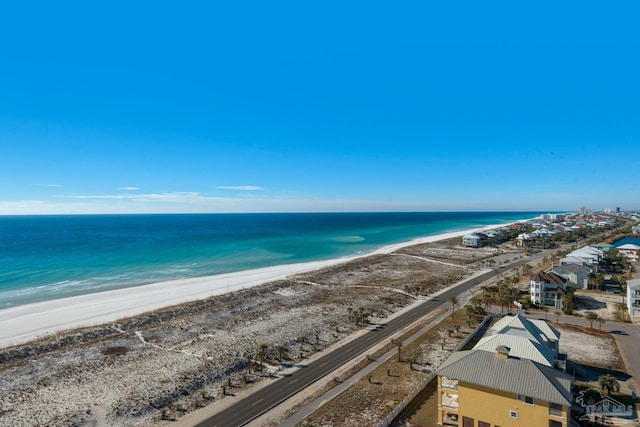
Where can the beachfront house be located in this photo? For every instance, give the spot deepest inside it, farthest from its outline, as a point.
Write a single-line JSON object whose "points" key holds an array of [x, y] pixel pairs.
{"points": [[629, 251], [547, 289], [509, 378], [633, 297], [472, 240], [576, 275]]}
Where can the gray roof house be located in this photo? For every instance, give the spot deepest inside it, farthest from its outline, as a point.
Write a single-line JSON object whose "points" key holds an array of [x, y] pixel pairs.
{"points": [[575, 274]]}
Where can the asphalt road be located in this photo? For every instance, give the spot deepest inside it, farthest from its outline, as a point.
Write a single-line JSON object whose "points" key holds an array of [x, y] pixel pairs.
{"points": [[256, 404]]}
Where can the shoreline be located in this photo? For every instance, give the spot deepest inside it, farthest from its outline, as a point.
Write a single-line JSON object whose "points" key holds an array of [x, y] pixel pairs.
{"points": [[31, 321]]}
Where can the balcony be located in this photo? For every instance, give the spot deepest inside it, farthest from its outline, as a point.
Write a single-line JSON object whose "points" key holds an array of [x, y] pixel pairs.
{"points": [[449, 384], [450, 419], [450, 401]]}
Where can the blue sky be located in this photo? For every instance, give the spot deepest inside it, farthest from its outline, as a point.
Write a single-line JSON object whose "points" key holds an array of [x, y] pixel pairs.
{"points": [[301, 106]]}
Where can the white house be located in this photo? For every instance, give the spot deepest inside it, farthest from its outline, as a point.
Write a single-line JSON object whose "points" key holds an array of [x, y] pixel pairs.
{"points": [[542, 232], [522, 239], [633, 297], [547, 289], [471, 240]]}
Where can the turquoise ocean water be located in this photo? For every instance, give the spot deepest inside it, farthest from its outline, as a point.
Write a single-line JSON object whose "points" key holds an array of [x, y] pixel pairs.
{"points": [[49, 257]]}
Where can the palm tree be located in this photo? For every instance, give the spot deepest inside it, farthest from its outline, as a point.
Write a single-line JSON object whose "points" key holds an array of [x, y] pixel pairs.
{"points": [[282, 351], [608, 384], [262, 353], [398, 343], [600, 320], [249, 360], [454, 303], [412, 359], [591, 316]]}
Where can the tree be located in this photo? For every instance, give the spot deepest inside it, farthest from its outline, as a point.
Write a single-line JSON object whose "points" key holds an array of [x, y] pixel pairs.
{"points": [[249, 361], [262, 353], [600, 320], [454, 303], [282, 351], [398, 343], [412, 359], [546, 311], [609, 384], [591, 316]]}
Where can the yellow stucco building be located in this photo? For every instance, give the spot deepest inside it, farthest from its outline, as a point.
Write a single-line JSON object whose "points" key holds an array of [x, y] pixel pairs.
{"points": [[505, 388]]}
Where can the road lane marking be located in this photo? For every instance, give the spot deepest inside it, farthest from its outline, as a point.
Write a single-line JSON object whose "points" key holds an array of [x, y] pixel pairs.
{"points": [[257, 401]]}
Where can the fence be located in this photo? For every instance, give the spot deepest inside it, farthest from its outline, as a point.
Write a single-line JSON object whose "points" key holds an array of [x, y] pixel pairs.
{"points": [[412, 395]]}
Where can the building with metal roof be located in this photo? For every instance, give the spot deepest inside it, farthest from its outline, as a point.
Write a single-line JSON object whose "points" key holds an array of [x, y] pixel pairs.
{"points": [[509, 378], [520, 347], [533, 329]]}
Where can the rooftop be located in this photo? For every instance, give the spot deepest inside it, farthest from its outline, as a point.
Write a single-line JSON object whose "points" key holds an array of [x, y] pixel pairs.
{"points": [[513, 374]]}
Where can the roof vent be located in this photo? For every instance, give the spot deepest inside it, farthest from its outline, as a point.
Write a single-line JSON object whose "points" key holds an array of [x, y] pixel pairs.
{"points": [[502, 352]]}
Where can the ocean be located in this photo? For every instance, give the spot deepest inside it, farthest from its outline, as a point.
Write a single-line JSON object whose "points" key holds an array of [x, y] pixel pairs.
{"points": [[48, 257]]}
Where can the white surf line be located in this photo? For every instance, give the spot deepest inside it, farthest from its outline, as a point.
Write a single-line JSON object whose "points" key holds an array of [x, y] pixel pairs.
{"points": [[430, 260]]}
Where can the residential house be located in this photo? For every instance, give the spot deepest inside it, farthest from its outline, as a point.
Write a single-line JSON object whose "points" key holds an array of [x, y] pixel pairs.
{"points": [[547, 289], [542, 232], [635, 229], [576, 275], [633, 297], [523, 239], [629, 251], [490, 388], [472, 240], [603, 246], [583, 261], [595, 255]]}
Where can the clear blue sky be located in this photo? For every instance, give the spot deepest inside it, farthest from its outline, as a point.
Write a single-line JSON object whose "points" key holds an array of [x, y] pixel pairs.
{"points": [[318, 106]]}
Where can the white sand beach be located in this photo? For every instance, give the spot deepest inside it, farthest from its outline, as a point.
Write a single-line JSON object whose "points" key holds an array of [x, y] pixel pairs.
{"points": [[23, 323]]}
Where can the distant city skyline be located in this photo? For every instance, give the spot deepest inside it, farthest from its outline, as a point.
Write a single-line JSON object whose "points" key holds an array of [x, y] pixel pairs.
{"points": [[289, 107]]}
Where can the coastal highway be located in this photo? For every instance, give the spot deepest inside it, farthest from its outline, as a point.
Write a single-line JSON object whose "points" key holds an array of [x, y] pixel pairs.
{"points": [[245, 410]]}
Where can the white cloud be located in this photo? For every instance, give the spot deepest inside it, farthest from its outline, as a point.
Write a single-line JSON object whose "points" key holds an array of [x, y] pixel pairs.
{"points": [[240, 187], [128, 188]]}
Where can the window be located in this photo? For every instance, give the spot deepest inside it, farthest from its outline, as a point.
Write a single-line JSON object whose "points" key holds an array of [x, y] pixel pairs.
{"points": [[519, 397], [528, 400], [513, 414], [483, 424], [467, 422]]}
